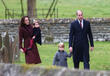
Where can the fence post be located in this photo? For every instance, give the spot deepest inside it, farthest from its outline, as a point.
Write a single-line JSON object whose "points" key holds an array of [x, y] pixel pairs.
{"points": [[7, 45], [4, 52], [57, 12], [5, 14], [13, 13], [15, 48], [0, 49], [0, 41], [54, 12], [4, 56], [42, 13]]}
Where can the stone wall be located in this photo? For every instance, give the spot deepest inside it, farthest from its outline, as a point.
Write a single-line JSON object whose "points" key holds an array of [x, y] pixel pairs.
{"points": [[32, 70], [56, 30]]}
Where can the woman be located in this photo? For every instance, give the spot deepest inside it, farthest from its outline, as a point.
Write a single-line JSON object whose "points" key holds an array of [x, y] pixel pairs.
{"points": [[25, 32]]}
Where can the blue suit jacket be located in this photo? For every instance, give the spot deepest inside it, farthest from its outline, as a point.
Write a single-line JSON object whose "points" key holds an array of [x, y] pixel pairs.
{"points": [[79, 39]]}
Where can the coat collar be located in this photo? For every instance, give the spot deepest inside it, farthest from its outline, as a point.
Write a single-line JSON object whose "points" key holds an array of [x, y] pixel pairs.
{"points": [[60, 51]]}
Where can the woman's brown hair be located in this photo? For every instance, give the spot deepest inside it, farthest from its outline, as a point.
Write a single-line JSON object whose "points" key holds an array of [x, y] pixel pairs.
{"points": [[22, 21]]}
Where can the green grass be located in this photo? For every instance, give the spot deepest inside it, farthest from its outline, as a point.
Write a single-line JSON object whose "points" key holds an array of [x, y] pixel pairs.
{"points": [[67, 8], [99, 58]]}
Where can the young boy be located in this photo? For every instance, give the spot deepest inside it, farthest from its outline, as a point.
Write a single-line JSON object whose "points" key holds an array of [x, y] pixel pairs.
{"points": [[36, 36], [60, 58]]}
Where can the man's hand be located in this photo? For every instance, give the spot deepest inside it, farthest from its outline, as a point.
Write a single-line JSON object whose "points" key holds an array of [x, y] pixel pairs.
{"points": [[91, 48], [70, 49]]}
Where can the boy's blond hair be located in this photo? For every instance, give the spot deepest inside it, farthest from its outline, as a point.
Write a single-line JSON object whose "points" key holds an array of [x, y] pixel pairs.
{"points": [[61, 44]]}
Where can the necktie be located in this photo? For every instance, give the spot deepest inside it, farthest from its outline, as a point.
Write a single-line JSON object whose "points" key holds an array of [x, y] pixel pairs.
{"points": [[80, 24]]}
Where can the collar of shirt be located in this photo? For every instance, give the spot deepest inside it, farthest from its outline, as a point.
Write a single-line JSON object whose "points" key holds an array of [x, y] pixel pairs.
{"points": [[81, 22]]}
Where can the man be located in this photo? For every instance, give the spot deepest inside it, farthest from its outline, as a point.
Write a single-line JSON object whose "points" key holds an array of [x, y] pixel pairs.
{"points": [[79, 37]]}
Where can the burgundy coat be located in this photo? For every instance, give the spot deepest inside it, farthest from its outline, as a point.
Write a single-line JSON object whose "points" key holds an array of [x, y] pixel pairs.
{"points": [[31, 56]]}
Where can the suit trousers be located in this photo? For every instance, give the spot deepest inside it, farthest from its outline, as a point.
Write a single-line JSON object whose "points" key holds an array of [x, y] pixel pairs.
{"points": [[86, 64]]}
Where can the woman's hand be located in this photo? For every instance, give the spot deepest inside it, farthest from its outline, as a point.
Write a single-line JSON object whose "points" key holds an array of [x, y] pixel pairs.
{"points": [[33, 37], [21, 50]]}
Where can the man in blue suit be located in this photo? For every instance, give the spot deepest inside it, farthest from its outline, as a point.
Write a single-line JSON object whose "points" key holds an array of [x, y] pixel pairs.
{"points": [[79, 37]]}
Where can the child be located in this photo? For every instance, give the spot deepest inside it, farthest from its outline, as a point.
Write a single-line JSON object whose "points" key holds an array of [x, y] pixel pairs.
{"points": [[36, 36], [60, 58]]}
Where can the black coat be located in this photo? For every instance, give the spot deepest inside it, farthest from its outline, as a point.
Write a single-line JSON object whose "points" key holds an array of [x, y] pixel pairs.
{"points": [[37, 34], [79, 39]]}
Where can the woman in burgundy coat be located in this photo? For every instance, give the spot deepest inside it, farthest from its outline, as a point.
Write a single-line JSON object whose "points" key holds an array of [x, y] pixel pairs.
{"points": [[25, 32]]}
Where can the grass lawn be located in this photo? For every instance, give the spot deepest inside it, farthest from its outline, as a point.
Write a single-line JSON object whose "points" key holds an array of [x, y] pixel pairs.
{"points": [[67, 8], [100, 57]]}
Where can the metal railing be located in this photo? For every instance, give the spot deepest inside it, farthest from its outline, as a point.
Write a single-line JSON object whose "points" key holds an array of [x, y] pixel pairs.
{"points": [[40, 13]]}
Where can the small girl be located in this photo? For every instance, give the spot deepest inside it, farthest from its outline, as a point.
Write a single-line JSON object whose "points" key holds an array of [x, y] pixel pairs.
{"points": [[36, 38], [60, 58]]}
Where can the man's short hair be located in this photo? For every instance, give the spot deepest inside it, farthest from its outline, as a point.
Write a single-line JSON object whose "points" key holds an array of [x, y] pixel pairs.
{"points": [[77, 12]]}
